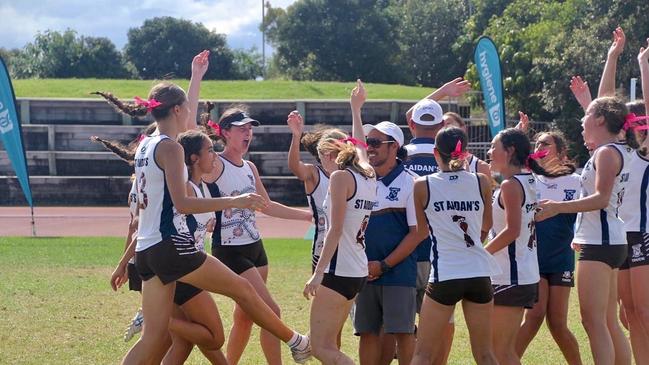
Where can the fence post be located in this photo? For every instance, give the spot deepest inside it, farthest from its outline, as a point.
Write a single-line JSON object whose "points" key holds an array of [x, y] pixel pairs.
{"points": [[51, 149], [300, 106], [25, 118], [394, 111]]}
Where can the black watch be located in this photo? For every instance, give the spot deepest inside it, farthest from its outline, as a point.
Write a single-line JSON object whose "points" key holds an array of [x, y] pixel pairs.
{"points": [[385, 267]]}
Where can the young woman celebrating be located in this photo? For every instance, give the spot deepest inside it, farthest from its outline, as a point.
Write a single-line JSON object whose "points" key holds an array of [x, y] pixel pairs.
{"points": [[165, 251], [238, 243], [600, 232], [512, 238], [315, 177], [342, 270], [556, 257], [473, 163], [457, 206]]}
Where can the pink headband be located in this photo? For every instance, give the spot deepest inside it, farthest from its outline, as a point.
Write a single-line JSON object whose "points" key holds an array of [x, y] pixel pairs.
{"points": [[632, 119], [141, 137], [149, 104], [535, 156], [354, 141], [215, 126], [457, 153]]}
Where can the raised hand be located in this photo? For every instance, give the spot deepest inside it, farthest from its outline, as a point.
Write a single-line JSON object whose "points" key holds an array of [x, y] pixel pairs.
{"points": [[250, 201], [581, 91], [643, 55], [619, 39], [295, 123], [358, 96], [523, 123], [200, 63], [456, 87]]}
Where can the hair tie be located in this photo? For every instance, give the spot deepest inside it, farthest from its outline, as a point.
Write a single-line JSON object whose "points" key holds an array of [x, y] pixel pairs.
{"points": [[141, 137], [535, 156], [457, 153], [216, 127], [353, 141], [149, 104], [632, 119]]}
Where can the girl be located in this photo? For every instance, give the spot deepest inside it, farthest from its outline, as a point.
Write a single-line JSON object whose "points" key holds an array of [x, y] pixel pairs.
{"points": [[461, 267], [165, 250], [342, 270], [556, 257], [473, 163], [512, 239], [238, 243], [315, 177], [600, 232]]}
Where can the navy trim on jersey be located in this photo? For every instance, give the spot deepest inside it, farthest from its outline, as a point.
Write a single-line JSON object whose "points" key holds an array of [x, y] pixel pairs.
{"points": [[479, 188], [389, 178], [522, 188], [167, 227], [422, 140], [643, 200], [232, 163], [332, 263], [500, 204], [155, 148], [355, 185], [316, 184], [604, 223], [315, 219], [427, 192], [513, 265], [433, 248], [215, 192]]}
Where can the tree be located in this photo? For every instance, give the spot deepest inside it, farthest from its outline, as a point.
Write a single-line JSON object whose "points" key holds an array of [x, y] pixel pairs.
{"points": [[166, 45], [336, 40], [247, 64], [64, 55]]}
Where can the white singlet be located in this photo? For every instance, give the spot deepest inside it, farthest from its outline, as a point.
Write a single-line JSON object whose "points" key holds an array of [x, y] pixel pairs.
{"points": [[158, 218], [634, 205], [202, 219], [132, 208], [316, 200], [238, 226], [603, 227], [350, 260], [518, 261], [454, 212]]}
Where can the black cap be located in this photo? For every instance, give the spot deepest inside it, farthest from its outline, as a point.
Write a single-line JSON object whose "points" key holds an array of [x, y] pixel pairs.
{"points": [[238, 119]]}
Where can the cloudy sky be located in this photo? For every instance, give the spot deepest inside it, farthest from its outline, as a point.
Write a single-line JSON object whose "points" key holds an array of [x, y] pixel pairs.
{"points": [[22, 19]]}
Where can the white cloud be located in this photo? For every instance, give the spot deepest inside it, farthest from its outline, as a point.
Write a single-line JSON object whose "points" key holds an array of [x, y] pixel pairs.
{"points": [[21, 20]]}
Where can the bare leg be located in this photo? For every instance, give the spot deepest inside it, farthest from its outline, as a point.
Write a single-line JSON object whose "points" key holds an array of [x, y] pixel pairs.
{"points": [[620, 342], [329, 311], [506, 322], [533, 319], [388, 348], [447, 342], [369, 348], [557, 320], [433, 318], [478, 319], [640, 295], [406, 346]]}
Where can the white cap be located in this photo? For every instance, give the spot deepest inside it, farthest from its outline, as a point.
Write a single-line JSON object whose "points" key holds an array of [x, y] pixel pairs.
{"points": [[387, 128], [427, 112]]}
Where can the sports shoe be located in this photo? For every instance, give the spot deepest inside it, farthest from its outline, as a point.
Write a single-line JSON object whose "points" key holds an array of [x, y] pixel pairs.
{"points": [[135, 326], [301, 356]]}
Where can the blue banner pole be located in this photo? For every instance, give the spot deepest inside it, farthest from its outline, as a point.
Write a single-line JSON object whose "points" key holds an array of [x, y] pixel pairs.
{"points": [[489, 68], [12, 137]]}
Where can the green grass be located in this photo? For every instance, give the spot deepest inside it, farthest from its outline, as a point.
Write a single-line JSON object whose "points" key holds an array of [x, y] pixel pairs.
{"points": [[56, 306], [215, 90]]}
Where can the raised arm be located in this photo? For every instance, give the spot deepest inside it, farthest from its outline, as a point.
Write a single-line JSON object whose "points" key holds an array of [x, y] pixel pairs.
{"points": [[200, 63], [300, 169], [581, 91], [607, 83], [356, 101], [454, 88], [643, 61]]}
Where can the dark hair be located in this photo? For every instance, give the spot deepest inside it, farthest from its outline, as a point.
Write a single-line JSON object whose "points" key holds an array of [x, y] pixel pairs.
{"points": [[192, 142], [614, 112], [636, 107], [125, 152], [517, 139], [167, 93], [310, 140], [402, 153], [445, 143], [566, 167], [457, 118]]}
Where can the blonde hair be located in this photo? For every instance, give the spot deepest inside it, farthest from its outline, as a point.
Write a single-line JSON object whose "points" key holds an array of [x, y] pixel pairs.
{"points": [[346, 155], [321, 131]]}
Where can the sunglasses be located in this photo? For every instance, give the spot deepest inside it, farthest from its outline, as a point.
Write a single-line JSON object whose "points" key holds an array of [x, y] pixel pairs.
{"points": [[376, 143]]}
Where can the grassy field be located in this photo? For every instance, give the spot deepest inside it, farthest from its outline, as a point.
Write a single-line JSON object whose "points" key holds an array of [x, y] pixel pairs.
{"points": [[216, 90], [57, 307]]}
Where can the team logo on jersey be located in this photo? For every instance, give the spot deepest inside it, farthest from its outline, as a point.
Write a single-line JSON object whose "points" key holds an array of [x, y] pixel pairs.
{"points": [[464, 226], [570, 194], [566, 277], [143, 149], [252, 180], [637, 250], [392, 195], [453, 178]]}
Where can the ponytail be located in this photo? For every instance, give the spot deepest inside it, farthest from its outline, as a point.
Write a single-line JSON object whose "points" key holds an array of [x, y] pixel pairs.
{"points": [[451, 144], [126, 153], [162, 98]]}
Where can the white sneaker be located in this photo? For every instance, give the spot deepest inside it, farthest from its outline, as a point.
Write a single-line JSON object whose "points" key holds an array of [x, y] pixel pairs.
{"points": [[135, 326], [301, 356]]}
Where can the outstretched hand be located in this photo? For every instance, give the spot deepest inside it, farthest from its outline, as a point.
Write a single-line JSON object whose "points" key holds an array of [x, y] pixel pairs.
{"points": [[581, 91], [456, 87], [358, 96], [619, 39], [200, 63], [523, 123], [250, 201], [295, 123]]}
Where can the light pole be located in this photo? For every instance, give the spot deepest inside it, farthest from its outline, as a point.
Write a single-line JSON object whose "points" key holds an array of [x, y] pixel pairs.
{"points": [[263, 40]]}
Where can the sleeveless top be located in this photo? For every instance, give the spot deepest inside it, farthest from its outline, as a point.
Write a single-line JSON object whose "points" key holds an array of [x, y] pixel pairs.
{"points": [[634, 206], [603, 227], [454, 212], [158, 218], [316, 199], [472, 164], [518, 261], [238, 226], [132, 208], [202, 219], [349, 259]]}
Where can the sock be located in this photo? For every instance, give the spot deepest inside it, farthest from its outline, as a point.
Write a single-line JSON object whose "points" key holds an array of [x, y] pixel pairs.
{"points": [[298, 341]]}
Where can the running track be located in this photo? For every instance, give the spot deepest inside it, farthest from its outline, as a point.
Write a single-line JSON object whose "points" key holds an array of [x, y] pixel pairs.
{"points": [[110, 221]]}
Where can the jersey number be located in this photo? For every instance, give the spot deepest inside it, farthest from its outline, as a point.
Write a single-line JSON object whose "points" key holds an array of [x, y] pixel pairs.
{"points": [[360, 236], [142, 199]]}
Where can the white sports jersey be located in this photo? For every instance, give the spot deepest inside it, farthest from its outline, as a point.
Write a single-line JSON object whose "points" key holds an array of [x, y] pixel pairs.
{"points": [[132, 208], [634, 205], [518, 261], [202, 219], [350, 260], [238, 226], [603, 227], [472, 164], [454, 212], [316, 200], [158, 218], [562, 188]]}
